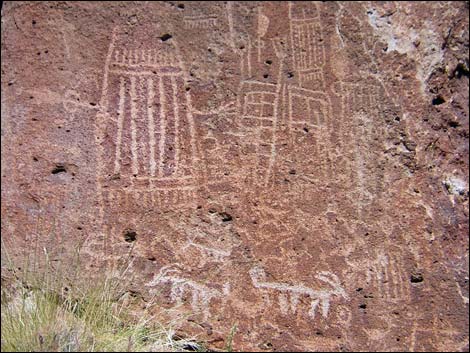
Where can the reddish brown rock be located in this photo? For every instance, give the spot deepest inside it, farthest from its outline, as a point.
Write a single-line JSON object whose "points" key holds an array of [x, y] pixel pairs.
{"points": [[299, 170]]}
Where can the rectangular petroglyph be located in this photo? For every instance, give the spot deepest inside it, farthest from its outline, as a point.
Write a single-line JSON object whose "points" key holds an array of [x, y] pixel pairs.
{"points": [[357, 96], [307, 45], [318, 109], [146, 102], [200, 22], [308, 51]]}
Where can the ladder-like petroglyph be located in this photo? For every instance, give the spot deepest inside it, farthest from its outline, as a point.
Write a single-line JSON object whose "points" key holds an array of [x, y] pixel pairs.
{"points": [[201, 294], [260, 106], [200, 22], [261, 113], [289, 295]]}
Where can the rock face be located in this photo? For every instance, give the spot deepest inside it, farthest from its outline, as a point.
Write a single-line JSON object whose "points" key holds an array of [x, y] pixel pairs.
{"points": [[297, 169]]}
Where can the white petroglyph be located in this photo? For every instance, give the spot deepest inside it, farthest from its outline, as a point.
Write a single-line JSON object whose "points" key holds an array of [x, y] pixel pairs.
{"points": [[144, 88], [318, 297], [201, 295]]}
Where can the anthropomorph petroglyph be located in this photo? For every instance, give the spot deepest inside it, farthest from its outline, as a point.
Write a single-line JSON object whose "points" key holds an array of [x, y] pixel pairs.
{"points": [[289, 295]]}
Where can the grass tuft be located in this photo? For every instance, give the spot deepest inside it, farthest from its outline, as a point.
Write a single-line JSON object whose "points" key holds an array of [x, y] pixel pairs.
{"points": [[45, 308]]}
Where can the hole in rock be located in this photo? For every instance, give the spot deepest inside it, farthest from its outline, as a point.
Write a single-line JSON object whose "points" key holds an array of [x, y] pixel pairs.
{"points": [[461, 70], [181, 6], [416, 278], [265, 75], [268, 62], [363, 306], [454, 124], [290, 75], [130, 236], [438, 100], [59, 169], [225, 217], [166, 37]]}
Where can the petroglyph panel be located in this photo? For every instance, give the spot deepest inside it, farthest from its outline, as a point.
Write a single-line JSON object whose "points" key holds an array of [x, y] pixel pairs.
{"points": [[281, 167]]}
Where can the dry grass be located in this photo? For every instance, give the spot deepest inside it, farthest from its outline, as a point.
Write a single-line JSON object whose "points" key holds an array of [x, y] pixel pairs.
{"points": [[42, 309]]}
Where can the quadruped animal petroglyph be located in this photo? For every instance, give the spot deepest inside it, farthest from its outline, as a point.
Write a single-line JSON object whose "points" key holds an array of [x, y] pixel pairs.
{"points": [[289, 294]]}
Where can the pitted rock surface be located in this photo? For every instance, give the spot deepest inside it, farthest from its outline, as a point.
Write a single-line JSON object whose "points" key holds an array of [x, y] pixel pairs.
{"points": [[297, 169]]}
